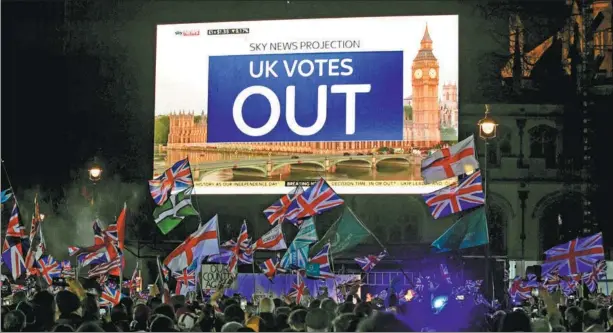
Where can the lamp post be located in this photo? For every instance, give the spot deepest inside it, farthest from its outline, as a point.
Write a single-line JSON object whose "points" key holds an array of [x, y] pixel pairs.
{"points": [[95, 175], [487, 131]]}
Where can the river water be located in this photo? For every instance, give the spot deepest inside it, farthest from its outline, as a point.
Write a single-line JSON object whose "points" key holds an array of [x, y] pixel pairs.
{"points": [[384, 171]]}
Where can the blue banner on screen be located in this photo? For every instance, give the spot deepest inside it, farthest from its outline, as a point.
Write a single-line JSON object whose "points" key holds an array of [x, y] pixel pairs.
{"points": [[353, 96]]}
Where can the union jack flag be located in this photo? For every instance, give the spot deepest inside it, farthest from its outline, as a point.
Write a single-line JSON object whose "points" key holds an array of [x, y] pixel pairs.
{"points": [[177, 178], [590, 279], [531, 281], [457, 197], [315, 200], [518, 291], [569, 284], [551, 280], [298, 289], [186, 280], [269, 267], [276, 211], [48, 268], [577, 256], [110, 295], [370, 261], [16, 243], [240, 249], [322, 258]]}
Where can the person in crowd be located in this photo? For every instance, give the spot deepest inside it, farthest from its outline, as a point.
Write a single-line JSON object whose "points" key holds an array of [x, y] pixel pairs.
{"points": [[297, 320], [255, 323], [45, 314], [29, 310], [119, 317], [90, 308], [140, 318], [68, 307], [162, 323], [266, 310], [541, 325], [317, 320], [14, 321], [363, 309], [329, 306], [62, 328], [592, 321], [574, 319], [90, 327], [314, 304], [382, 322], [231, 326], [344, 308], [166, 310], [610, 318], [281, 322], [186, 321], [515, 321], [345, 322], [234, 313]]}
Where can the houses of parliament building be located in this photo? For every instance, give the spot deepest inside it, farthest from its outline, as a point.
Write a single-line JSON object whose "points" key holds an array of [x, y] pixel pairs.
{"points": [[422, 128]]}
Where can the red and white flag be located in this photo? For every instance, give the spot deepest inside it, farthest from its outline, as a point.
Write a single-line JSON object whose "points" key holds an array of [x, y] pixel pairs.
{"points": [[449, 162], [203, 242], [273, 240]]}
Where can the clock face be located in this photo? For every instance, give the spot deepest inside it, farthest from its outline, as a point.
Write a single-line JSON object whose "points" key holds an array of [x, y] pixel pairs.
{"points": [[432, 73], [418, 74]]}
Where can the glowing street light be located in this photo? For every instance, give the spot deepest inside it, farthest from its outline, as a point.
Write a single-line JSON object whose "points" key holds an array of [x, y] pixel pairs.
{"points": [[95, 173], [487, 125]]}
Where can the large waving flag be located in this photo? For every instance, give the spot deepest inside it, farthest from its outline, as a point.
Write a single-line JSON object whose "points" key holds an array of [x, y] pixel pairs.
{"points": [[276, 212], [186, 280], [168, 215], [518, 291], [574, 257], [240, 249], [457, 197], [298, 289], [16, 243], [315, 200], [48, 268], [590, 279], [110, 295], [273, 240], [202, 242], [269, 267], [370, 261], [449, 162], [345, 234], [296, 256], [175, 179], [469, 231], [319, 264], [306, 234]]}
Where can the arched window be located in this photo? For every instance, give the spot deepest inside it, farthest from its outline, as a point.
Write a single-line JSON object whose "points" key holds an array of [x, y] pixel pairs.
{"points": [[567, 208], [543, 144]]}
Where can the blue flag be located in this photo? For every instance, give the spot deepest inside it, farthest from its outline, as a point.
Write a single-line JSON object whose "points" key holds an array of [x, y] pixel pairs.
{"points": [[469, 231], [6, 195]]}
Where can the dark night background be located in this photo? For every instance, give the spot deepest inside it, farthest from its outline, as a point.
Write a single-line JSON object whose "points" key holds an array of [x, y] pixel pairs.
{"points": [[78, 83]]}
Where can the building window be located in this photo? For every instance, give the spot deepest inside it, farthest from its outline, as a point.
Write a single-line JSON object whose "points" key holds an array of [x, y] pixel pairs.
{"points": [[543, 144]]}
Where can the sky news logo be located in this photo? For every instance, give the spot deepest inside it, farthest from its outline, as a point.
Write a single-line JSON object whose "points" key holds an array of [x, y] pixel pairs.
{"points": [[234, 31], [187, 33]]}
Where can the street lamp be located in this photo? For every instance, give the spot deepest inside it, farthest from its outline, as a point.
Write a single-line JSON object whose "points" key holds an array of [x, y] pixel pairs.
{"points": [[95, 173], [487, 131]]}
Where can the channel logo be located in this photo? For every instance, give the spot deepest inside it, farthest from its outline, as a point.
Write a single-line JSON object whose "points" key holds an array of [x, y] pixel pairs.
{"points": [[233, 31], [187, 33]]}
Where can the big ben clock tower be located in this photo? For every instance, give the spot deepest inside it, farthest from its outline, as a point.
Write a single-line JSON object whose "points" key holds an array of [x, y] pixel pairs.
{"points": [[426, 116]]}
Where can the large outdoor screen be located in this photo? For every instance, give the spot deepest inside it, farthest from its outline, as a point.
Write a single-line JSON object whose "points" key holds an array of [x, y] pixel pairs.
{"points": [[261, 106]]}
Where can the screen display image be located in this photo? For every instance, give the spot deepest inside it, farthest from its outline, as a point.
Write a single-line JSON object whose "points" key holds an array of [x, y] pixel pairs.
{"points": [[260, 106]]}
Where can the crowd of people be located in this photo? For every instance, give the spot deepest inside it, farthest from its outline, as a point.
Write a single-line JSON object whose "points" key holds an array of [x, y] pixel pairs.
{"points": [[68, 311]]}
